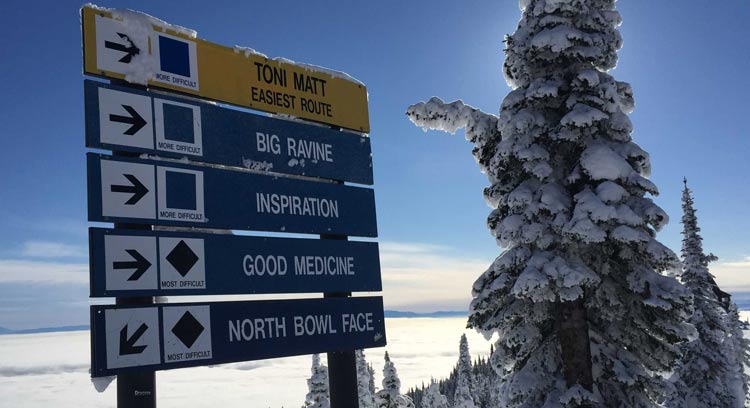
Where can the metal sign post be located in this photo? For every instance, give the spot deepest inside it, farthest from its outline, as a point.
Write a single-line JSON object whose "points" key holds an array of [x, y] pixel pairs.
{"points": [[138, 389]]}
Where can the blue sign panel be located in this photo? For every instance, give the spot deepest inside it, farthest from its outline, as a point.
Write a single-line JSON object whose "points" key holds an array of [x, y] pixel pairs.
{"points": [[125, 119], [175, 194], [167, 336], [127, 263]]}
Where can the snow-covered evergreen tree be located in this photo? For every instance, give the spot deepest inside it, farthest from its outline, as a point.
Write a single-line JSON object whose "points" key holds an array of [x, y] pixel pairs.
{"points": [[371, 385], [390, 396], [711, 373], [433, 398], [738, 350], [318, 395], [464, 396], [578, 298], [366, 398]]}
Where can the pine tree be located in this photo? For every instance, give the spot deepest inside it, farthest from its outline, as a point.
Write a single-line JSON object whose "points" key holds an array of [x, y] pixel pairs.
{"points": [[738, 351], [371, 372], [432, 397], [464, 396], [584, 313], [366, 398], [390, 396], [711, 373], [318, 395]]}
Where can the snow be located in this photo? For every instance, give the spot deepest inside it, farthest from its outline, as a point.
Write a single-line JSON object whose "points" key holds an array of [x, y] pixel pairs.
{"points": [[626, 234], [138, 27], [590, 76], [436, 115], [589, 205], [248, 52], [257, 165], [585, 230], [542, 88], [602, 163], [557, 39], [610, 192], [51, 370], [133, 15], [583, 115]]}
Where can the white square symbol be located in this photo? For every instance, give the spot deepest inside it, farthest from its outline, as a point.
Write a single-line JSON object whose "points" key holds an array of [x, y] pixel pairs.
{"points": [[176, 61], [182, 263], [178, 127], [125, 119], [187, 333], [130, 262], [180, 194], [132, 337], [122, 50], [128, 189]]}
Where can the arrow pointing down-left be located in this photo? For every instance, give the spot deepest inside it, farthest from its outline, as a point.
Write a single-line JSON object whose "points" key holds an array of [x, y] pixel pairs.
{"points": [[127, 345], [139, 263]]}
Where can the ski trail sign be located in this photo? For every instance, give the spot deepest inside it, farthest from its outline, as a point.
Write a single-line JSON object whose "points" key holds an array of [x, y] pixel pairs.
{"points": [[167, 336], [138, 49], [126, 119], [131, 263], [175, 194]]}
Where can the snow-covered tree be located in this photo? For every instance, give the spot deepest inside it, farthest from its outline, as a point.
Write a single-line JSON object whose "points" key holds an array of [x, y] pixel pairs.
{"points": [[433, 398], [371, 385], [583, 311], [390, 396], [318, 395], [366, 398], [738, 350], [711, 373], [464, 396]]}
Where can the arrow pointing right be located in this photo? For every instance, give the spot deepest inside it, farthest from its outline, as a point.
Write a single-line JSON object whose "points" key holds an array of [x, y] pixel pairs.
{"points": [[137, 189], [139, 263], [135, 120], [130, 51], [127, 345]]}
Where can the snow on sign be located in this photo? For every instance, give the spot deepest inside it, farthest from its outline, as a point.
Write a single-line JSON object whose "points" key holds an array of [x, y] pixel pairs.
{"points": [[162, 337], [176, 194], [126, 263], [125, 119], [145, 50]]}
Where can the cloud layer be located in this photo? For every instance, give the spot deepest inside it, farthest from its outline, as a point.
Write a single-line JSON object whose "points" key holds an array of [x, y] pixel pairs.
{"points": [[425, 277]]}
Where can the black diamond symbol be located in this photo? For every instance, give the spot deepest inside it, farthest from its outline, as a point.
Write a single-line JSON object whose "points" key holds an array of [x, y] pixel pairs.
{"points": [[182, 258], [188, 329]]}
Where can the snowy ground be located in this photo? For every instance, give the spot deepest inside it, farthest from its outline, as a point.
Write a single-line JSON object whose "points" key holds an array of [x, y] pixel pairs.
{"points": [[51, 370]]}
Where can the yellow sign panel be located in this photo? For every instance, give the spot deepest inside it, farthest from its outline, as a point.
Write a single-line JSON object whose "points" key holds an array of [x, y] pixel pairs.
{"points": [[144, 50]]}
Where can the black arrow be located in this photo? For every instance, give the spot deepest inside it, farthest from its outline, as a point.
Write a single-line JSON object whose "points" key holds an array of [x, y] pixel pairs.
{"points": [[127, 345], [130, 52], [140, 264], [134, 119], [137, 189]]}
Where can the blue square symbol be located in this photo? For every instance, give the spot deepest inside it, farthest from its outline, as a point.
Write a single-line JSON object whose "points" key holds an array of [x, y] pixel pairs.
{"points": [[174, 56], [178, 123], [180, 190]]}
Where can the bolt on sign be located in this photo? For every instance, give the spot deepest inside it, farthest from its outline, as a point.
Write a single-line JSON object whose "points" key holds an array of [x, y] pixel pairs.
{"points": [[118, 45]]}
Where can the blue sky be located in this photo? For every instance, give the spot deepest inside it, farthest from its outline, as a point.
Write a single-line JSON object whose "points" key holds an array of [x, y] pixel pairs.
{"points": [[688, 66]]}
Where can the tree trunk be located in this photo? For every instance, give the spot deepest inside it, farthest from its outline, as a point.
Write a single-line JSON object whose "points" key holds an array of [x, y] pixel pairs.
{"points": [[575, 345]]}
